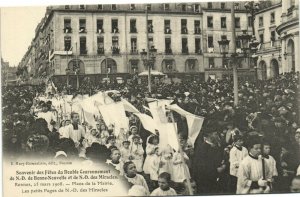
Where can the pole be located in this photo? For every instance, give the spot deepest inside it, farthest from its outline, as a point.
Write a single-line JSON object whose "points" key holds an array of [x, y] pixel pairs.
{"points": [[182, 157], [233, 62], [148, 55]]}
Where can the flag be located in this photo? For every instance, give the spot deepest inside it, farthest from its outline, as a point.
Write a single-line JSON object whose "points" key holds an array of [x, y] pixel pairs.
{"points": [[129, 107], [147, 122], [168, 135], [194, 126]]}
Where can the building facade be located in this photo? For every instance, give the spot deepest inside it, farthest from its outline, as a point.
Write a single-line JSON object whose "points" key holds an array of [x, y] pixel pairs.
{"points": [[8, 73], [267, 19], [105, 40], [289, 34]]}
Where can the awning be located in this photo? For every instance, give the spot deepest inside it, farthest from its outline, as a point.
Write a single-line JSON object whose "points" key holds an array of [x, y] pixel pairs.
{"points": [[153, 72]]}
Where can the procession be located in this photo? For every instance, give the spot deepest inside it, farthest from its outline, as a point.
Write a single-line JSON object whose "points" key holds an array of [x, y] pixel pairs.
{"points": [[151, 99], [180, 139]]}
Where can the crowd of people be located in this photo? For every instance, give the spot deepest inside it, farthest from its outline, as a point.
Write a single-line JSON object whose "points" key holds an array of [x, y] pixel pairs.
{"points": [[253, 147]]}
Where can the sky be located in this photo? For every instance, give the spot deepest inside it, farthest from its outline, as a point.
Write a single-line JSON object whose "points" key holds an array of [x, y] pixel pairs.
{"points": [[18, 23], [17, 31]]}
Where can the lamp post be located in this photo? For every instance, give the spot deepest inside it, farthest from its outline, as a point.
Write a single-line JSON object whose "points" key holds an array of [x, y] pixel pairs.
{"points": [[252, 7], [77, 70], [67, 73], [148, 61], [224, 48], [224, 45]]}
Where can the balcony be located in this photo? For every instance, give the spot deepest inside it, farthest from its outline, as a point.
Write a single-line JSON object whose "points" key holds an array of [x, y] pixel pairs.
{"points": [[168, 31], [115, 50], [133, 30], [83, 52], [168, 51], [184, 30], [198, 51], [67, 30], [270, 45], [100, 30], [290, 10], [150, 29], [115, 30], [185, 51], [82, 30], [100, 51], [197, 30], [134, 52]]}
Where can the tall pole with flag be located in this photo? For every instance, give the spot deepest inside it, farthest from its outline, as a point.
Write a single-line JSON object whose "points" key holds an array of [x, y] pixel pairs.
{"points": [[148, 53], [233, 62]]}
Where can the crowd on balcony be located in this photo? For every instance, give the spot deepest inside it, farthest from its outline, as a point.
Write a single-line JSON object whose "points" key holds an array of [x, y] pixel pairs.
{"points": [[226, 158]]}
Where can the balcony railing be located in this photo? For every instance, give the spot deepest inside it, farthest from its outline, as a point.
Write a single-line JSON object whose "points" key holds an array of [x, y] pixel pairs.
{"points": [[134, 52], [100, 51], [184, 30], [168, 31], [115, 50], [198, 51], [83, 52], [133, 30], [185, 51], [197, 31], [82, 30], [168, 51], [270, 45], [67, 30], [100, 30]]}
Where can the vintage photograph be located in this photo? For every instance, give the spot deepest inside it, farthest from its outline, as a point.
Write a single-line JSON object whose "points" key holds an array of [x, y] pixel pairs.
{"points": [[163, 99]]}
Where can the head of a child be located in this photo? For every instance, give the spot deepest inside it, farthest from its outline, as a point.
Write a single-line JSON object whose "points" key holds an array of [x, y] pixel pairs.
{"points": [[111, 140], [164, 181], [254, 146], [193, 187], [115, 155], [238, 141], [133, 130], [157, 152], [93, 132], [136, 139], [130, 169], [154, 140], [266, 148], [126, 144]]}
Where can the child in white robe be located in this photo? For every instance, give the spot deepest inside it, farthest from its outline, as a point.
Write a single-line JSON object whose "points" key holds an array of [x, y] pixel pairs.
{"points": [[131, 175], [152, 144], [137, 153], [125, 151], [180, 169], [270, 161], [154, 167], [164, 188]]}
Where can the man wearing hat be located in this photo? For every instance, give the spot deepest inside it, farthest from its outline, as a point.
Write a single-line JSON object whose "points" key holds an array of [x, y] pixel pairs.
{"points": [[207, 162]]}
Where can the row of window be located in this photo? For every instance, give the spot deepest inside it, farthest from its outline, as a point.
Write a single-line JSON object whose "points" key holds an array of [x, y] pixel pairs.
{"points": [[210, 5], [261, 19], [133, 26], [164, 6], [210, 22], [116, 49]]}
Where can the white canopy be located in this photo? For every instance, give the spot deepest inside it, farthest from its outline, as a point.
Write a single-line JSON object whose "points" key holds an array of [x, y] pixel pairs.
{"points": [[153, 72]]}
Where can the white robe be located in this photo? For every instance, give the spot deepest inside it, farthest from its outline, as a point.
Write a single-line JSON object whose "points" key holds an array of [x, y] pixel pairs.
{"points": [[235, 158], [48, 116], [75, 135], [137, 152], [272, 165], [251, 170], [138, 180], [160, 192]]}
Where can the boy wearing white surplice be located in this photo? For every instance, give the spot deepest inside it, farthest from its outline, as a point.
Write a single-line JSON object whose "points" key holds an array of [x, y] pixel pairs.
{"points": [[254, 174]]}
